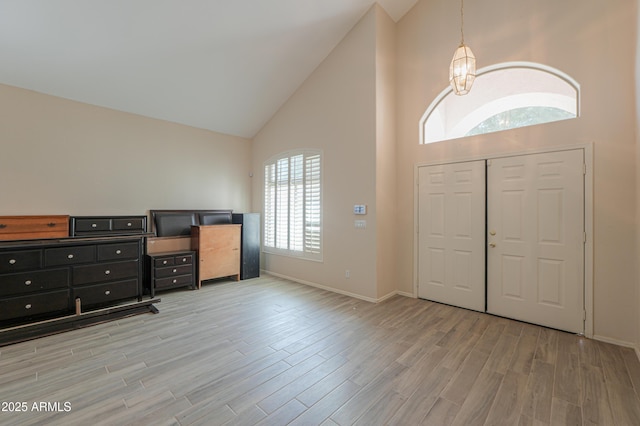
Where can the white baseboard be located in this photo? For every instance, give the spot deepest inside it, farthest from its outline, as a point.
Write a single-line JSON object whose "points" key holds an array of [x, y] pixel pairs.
{"points": [[335, 290], [615, 342]]}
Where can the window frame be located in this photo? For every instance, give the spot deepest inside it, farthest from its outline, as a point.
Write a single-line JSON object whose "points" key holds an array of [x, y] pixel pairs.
{"points": [[467, 121], [303, 228]]}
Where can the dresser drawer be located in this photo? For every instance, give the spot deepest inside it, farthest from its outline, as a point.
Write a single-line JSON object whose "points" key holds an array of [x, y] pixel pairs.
{"points": [[103, 293], [178, 281], [28, 282], [34, 304], [20, 260], [129, 224], [173, 271], [104, 272], [69, 255], [118, 251], [92, 224]]}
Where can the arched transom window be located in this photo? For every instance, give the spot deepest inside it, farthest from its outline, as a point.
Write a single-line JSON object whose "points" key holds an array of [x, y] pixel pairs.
{"points": [[504, 96]]}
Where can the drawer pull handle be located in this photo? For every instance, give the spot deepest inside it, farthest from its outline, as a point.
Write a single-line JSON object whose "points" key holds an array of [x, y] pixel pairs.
{"points": [[27, 306], [12, 261], [184, 259], [2, 226], [70, 256], [175, 270], [94, 225], [129, 224], [118, 251], [27, 282], [51, 224], [108, 292], [164, 262], [107, 272], [175, 280]]}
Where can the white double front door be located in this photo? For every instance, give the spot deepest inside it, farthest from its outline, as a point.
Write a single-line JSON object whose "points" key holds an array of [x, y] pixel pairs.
{"points": [[509, 242]]}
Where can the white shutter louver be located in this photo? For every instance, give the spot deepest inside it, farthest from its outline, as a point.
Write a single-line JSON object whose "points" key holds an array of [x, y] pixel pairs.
{"points": [[293, 205], [312, 205]]}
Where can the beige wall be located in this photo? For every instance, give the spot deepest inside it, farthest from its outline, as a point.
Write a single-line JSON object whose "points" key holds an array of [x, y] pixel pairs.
{"points": [[335, 111], [385, 155], [592, 42], [64, 157]]}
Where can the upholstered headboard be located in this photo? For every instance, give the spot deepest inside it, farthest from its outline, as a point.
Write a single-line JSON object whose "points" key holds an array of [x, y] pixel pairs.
{"points": [[173, 223]]}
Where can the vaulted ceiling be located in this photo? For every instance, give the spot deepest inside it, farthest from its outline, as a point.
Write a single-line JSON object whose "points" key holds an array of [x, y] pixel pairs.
{"points": [[223, 65]]}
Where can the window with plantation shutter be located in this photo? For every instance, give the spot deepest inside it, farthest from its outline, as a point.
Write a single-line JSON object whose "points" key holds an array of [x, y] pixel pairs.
{"points": [[293, 204]]}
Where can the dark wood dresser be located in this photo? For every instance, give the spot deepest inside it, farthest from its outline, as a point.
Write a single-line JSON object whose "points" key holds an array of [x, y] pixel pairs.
{"points": [[43, 278], [48, 285]]}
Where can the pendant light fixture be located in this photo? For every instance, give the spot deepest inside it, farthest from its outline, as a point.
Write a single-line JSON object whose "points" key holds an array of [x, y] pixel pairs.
{"points": [[462, 71]]}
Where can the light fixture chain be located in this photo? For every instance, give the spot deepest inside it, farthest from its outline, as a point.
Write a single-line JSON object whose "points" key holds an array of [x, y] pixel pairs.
{"points": [[462, 21]]}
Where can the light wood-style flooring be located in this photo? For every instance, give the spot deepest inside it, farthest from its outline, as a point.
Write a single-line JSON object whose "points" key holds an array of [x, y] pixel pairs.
{"points": [[271, 352]]}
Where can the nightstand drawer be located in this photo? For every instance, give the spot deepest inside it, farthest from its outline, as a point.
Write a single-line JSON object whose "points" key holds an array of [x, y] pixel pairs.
{"points": [[34, 304], [184, 259], [28, 282], [104, 272], [181, 280], [118, 251], [69, 255], [20, 260], [173, 271], [164, 261], [103, 293]]}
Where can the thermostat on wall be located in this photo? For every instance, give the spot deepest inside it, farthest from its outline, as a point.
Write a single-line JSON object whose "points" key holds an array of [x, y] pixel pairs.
{"points": [[360, 209]]}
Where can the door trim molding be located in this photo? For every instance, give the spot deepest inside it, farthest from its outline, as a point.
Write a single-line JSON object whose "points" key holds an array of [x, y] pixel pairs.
{"points": [[587, 149]]}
